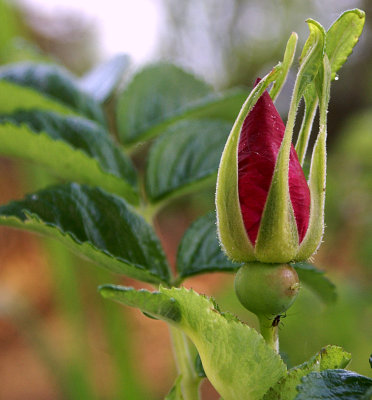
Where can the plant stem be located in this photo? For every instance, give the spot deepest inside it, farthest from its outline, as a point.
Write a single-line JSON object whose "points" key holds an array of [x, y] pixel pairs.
{"points": [[270, 333], [185, 365]]}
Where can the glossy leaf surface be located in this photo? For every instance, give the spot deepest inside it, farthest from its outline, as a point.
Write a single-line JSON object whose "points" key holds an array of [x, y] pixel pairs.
{"points": [[236, 371], [334, 384], [56, 84], [186, 155], [100, 82], [199, 251], [329, 357], [162, 94], [96, 225], [73, 148]]}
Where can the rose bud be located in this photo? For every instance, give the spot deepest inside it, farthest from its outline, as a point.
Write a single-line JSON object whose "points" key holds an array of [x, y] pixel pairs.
{"points": [[263, 200]]}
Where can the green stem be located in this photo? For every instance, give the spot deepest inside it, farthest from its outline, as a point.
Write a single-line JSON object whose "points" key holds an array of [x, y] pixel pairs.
{"points": [[269, 332], [185, 364]]}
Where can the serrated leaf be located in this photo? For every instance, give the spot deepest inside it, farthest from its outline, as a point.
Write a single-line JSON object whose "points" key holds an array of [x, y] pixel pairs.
{"points": [[342, 36], [316, 281], [162, 94], [156, 304], [186, 156], [96, 225], [329, 357], [334, 384], [53, 82], [73, 148], [237, 371], [175, 393], [102, 80], [200, 252]]}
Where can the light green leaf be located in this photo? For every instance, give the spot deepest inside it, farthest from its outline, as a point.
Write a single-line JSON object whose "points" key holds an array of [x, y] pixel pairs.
{"points": [[231, 228], [102, 80], [236, 359], [185, 157], [156, 304], [162, 94], [175, 393], [316, 281], [342, 36], [199, 251], [334, 384], [329, 357], [96, 225], [54, 83], [73, 148]]}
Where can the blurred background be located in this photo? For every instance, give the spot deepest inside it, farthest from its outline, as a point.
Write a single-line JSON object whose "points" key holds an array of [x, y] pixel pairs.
{"points": [[58, 338]]}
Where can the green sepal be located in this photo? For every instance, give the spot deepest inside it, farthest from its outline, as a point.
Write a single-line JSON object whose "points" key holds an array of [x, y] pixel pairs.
{"points": [[317, 178], [288, 57], [236, 371], [175, 393], [329, 357], [231, 231], [277, 240]]}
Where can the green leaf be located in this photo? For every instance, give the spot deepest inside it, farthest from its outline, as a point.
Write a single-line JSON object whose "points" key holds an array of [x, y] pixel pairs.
{"points": [[96, 225], [334, 384], [316, 281], [100, 82], [342, 36], [156, 304], [329, 357], [200, 252], [53, 82], [175, 393], [73, 148], [185, 157], [237, 371], [14, 97], [162, 94]]}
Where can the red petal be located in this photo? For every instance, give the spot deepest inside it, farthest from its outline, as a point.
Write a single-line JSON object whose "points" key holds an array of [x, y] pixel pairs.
{"points": [[260, 139]]}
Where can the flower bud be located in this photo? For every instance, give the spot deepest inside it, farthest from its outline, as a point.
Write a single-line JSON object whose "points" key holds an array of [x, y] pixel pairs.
{"points": [[263, 200]]}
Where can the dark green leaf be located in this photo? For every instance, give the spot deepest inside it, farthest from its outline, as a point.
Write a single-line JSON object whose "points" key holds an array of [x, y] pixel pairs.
{"points": [[156, 304], [200, 252], [155, 94], [162, 94], [55, 83], [316, 281], [329, 357], [73, 148], [102, 80], [187, 154], [333, 384], [95, 224], [342, 36]]}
